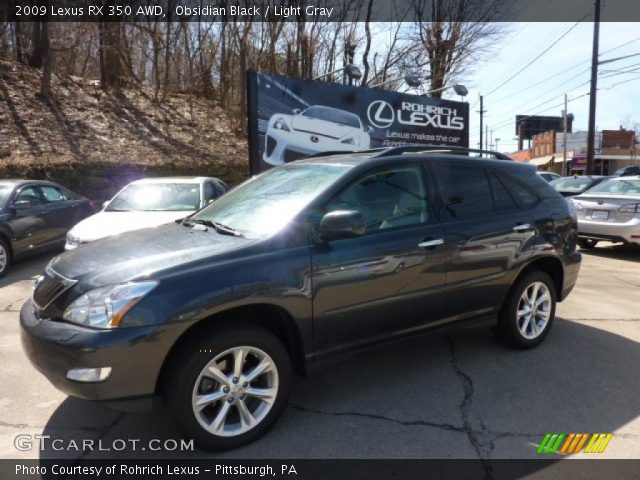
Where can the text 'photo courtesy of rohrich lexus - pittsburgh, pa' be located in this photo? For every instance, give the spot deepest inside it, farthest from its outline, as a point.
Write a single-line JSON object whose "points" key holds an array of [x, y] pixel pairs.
{"points": [[306, 262]]}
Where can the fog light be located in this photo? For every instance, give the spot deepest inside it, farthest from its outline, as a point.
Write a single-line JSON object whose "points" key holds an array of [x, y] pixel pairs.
{"points": [[89, 375]]}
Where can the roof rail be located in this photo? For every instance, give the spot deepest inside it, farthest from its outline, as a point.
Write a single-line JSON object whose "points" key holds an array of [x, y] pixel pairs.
{"points": [[388, 152], [343, 152]]}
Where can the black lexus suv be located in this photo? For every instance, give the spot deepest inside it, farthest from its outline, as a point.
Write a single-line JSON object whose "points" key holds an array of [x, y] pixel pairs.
{"points": [[310, 260]]}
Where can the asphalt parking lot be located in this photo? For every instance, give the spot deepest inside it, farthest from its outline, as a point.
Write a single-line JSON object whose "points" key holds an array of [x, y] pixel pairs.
{"points": [[463, 396]]}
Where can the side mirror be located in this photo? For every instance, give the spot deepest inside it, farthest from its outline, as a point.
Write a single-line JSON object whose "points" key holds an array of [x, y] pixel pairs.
{"points": [[341, 224], [105, 204], [296, 111], [21, 205]]}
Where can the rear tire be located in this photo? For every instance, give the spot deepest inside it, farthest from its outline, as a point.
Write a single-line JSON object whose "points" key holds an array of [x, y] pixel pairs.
{"points": [[5, 257], [528, 311], [223, 403], [587, 243]]}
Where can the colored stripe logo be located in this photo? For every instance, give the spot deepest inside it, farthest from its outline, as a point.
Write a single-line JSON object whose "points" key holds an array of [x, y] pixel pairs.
{"points": [[567, 444]]}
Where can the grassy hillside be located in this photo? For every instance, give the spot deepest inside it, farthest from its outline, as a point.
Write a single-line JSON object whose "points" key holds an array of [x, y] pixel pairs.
{"points": [[95, 141]]}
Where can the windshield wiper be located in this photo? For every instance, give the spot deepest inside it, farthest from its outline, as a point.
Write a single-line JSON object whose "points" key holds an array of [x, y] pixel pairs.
{"points": [[218, 227]]}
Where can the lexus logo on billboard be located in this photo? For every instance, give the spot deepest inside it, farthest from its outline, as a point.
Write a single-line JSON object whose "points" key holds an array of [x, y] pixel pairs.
{"points": [[380, 114]]}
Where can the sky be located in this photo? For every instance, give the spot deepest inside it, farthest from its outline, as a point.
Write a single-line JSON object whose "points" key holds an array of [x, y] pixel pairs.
{"points": [[565, 68]]}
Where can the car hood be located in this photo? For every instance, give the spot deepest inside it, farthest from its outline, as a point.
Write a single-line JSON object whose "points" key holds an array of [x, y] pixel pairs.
{"points": [[104, 223], [322, 127], [140, 253]]}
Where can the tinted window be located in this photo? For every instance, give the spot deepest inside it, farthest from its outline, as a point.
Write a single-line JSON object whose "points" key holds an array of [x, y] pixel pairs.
{"points": [[210, 192], [389, 198], [523, 196], [466, 191], [53, 194], [618, 187], [503, 200], [31, 194], [333, 115]]}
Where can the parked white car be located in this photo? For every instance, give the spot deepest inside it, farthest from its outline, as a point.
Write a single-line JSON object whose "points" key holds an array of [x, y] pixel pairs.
{"points": [[149, 202], [313, 130], [610, 211]]}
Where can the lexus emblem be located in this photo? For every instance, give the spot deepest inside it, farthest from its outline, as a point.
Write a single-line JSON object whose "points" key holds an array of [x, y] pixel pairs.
{"points": [[314, 138], [600, 202], [381, 114]]}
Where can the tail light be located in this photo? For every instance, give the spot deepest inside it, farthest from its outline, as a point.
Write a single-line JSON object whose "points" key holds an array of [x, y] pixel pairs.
{"points": [[630, 209]]}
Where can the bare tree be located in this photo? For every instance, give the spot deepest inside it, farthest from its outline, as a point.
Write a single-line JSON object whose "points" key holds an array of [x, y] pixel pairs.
{"points": [[453, 34]]}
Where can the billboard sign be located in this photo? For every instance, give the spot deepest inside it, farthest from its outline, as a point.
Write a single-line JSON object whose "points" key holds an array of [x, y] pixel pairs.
{"points": [[529, 125], [290, 118]]}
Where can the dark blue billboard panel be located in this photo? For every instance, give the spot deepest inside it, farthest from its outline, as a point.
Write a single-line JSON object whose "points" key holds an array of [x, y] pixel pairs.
{"points": [[290, 118]]}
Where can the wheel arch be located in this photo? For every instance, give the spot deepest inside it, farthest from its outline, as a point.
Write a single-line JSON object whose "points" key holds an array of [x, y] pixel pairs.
{"points": [[552, 266], [272, 318]]}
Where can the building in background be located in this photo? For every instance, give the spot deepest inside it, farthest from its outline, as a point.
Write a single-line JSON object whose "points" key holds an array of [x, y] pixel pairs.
{"points": [[613, 149]]}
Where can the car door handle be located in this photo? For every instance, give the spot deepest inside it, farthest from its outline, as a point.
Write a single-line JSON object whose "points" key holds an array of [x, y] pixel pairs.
{"points": [[431, 243], [522, 228]]}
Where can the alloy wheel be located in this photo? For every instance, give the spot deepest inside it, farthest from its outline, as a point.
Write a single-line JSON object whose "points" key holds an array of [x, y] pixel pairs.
{"points": [[534, 310], [235, 391]]}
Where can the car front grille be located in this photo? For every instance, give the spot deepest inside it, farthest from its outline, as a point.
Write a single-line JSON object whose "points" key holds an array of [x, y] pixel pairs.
{"points": [[50, 287]]}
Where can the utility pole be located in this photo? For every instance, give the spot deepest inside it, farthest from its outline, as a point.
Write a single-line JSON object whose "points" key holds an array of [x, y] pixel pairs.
{"points": [[486, 138], [481, 120], [593, 92], [565, 122]]}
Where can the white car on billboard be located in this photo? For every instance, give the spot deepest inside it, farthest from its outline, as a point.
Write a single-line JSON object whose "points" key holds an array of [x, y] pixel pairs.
{"points": [[313, 130]]}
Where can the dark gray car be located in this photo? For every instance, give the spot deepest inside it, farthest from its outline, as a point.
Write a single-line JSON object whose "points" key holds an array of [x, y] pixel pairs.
{"points": [[304, 263], [35, 216]]}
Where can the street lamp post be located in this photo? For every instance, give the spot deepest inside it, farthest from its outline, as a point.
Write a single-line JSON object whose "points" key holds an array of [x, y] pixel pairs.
{"points": [[352, 71]]}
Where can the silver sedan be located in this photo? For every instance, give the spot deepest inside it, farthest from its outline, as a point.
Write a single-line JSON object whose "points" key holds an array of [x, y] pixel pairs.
{"points": [[609, 211]]}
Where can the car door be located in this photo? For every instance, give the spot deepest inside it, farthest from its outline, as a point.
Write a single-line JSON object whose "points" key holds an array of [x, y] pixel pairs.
{"points": [[487, 233], [389, 281], [27, 226], [61, 213]]}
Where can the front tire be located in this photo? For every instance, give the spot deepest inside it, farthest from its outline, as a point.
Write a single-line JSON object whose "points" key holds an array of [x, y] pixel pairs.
{"points": [[5, 257], [230, 387], [528, 311]]}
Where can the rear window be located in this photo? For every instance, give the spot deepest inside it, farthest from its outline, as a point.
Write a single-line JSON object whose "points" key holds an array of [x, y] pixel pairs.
{"points": [[571, 185], [466, 191], [629, 187]]}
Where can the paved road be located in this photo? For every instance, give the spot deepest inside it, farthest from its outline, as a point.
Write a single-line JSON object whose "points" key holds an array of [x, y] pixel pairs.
{"points": [[463, 396]]}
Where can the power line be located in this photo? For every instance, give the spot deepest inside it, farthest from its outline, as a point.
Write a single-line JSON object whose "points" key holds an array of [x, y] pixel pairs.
{"points": [[538, 56], [506, 122], [555, 75]]}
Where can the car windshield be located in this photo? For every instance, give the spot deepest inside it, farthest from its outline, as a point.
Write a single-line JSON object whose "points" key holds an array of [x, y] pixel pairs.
{"points": [[572, 184], [156, 197], [629, 187], [5, 193], [333, 115], [266, 203]]}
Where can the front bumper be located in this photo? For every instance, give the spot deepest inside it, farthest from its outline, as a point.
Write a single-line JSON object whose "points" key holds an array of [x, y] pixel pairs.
{"points": [[627, 232], [299, 143], [135, 354]]}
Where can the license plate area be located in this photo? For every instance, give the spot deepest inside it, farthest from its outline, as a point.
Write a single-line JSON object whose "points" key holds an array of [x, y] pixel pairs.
{"points": [[600, 215]]}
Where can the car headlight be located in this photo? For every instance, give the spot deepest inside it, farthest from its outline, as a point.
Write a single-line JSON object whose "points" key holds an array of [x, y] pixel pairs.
{"points": [[351, 141], [104, 307], [280, 124]]}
